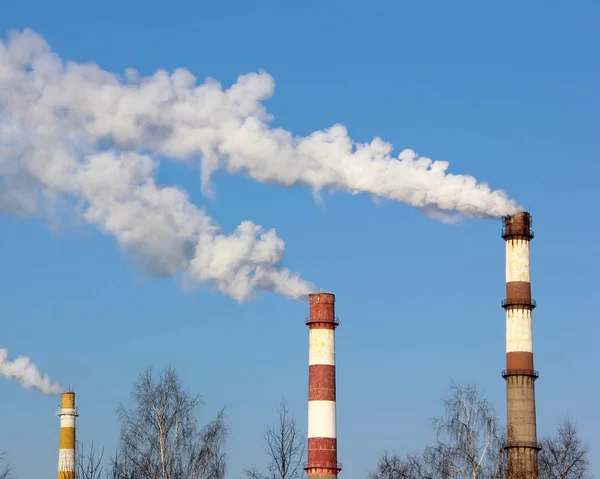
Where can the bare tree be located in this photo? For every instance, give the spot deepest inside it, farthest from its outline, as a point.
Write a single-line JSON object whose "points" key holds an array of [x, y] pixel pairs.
{"points": [[5, 472], [89, 466], [160, 438], [285, 447], [469, 443], [564, 456], [469, 437]]}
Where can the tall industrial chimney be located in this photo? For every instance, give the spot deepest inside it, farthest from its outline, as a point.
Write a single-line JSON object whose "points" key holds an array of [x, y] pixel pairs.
{"points": [[322, 439], [522, 446], [66, 455]]}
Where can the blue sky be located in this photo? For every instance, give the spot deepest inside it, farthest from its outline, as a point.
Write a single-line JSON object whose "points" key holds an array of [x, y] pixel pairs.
{"points": [[504, 91]]}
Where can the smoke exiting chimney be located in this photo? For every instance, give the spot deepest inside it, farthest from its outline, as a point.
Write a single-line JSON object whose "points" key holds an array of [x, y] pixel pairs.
{"points": [[522, 446], [322, 437], [57, 118], [27, 373], [66, 455]]}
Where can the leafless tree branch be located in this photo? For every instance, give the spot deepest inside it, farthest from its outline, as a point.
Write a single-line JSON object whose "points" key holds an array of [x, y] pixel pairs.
{"points": [[285, 447], [89, 466], [5, 472], [413, 466], [564, 455]]}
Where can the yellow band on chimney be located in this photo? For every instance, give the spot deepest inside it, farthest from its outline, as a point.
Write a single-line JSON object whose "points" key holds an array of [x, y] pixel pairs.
{"points": [[68, 401], [67, 438]]}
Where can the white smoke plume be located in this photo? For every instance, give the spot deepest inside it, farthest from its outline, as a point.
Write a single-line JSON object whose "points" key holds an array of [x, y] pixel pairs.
{"points": [[27, 373], [169, 114], [72, 130], [47, 153]]}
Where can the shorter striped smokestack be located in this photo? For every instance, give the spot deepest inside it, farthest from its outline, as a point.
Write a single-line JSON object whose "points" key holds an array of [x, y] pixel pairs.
{"points": [[322, 435], [66, 454]]}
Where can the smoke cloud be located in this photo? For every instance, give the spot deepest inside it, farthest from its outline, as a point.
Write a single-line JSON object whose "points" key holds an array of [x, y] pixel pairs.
{"points": [[169, 114], [48, 154], [73, 130], [27, 373]]}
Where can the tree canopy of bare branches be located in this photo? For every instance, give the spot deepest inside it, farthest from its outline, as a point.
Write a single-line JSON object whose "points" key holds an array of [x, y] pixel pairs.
{"points": [[412, 466], [469, 443], [469, 438], [160, 437], [122, 467], [285, 447], [564, 455]]}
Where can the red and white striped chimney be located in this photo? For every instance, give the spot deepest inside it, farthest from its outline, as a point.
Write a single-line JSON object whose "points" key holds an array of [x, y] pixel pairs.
{"points": [[522, 446], [322, 439]]}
